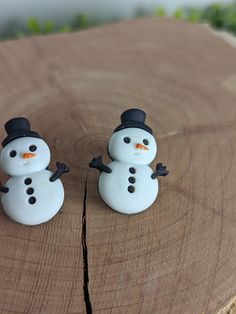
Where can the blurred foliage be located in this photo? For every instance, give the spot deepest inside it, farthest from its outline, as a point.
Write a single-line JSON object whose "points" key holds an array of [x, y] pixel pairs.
{"points": [[160, 12], [48, 27], [219, 16], [33, 26], [80, 22], [193, 15], [66, 29], [178, 14], [215, 15]]}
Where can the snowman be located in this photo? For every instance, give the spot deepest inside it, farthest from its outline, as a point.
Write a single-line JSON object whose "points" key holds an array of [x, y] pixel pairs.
{"points": [[33, 194], [127, 184]]}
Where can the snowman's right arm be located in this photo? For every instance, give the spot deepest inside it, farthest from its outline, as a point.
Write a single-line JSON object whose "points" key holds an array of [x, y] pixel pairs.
{"points": [[160, 171], [98, 164], [4, 189], [61, 168]]}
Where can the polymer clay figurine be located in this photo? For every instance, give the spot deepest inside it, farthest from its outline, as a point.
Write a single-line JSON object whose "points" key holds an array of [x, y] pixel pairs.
{"points": [[127, 184], [33, 194]]}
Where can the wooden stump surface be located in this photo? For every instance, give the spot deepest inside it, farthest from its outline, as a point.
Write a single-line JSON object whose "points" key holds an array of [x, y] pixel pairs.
{"points": [[178, 257]]}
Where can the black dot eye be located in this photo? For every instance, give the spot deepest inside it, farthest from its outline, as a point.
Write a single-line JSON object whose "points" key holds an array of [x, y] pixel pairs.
{"points": [[32, 148], [145, 142], [13, 153], [127, 140]]}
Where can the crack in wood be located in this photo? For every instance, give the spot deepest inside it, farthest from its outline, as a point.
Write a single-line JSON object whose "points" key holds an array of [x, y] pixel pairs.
{"points": [[87, 301]]}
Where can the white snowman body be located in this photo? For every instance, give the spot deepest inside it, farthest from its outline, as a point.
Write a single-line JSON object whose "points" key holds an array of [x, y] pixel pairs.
{"points": [[129, 188], [32, 198]]}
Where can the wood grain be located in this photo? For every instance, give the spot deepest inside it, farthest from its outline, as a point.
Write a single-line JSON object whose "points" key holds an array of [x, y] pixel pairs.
{"points": [[180, 255]]}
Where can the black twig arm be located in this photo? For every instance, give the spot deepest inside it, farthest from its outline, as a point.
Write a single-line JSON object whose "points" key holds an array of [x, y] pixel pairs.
{"points": [[98, 164], [4, 189], [61, 169], [160, 171]]}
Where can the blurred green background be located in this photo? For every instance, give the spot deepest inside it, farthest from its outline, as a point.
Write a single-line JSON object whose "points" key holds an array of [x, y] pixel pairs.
{"points": [[221, 15]]}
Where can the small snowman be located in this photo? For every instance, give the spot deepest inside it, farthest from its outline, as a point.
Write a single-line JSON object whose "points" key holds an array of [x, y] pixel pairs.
{"points": [[33, 194], [128, 184]]}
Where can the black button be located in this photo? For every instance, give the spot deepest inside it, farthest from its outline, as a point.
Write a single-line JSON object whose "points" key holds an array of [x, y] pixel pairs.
{"points": [[32, 200], [132, 180], [28, 181], [30, 191], [131, 189], [132, 170]]}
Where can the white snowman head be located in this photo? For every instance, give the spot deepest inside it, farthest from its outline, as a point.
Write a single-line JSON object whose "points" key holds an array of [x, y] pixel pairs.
{"points": [[132, 141], [23, 150]]}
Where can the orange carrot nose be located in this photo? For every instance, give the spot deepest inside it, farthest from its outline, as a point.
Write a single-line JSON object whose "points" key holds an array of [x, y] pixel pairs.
{"points": [[28, 155], [141, 146]]}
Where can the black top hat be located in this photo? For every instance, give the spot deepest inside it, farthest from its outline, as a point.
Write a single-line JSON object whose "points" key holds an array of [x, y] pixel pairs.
{"points": [[133, 118], [16, 128]]}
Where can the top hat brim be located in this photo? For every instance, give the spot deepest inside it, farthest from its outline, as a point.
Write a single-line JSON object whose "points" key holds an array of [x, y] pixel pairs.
{"points": [[132, 124], [19, 134]]}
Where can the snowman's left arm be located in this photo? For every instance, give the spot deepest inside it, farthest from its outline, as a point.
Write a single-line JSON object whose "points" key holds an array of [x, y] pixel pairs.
{"points": [[61, 168], [4, 189], [160, 171]]}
